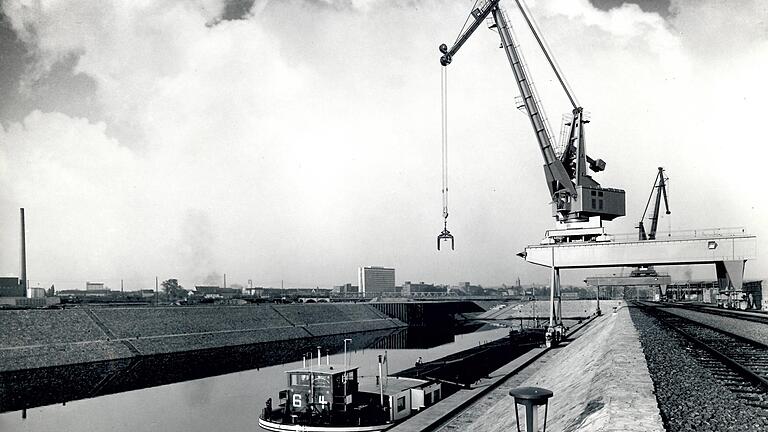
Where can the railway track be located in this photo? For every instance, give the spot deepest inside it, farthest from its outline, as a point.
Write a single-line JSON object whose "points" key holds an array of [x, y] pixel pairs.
{"points": [[740, 364], [758, 317]]}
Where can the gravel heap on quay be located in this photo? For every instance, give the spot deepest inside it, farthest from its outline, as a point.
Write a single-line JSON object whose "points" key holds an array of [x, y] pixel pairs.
{"points": [[689, 397]]}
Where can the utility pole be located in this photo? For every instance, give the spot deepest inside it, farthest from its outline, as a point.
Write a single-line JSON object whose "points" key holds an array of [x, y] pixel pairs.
{"points": [[24, 280], [344, 377], [599, 312], [121, 286], [381, 384], [156, 290]]}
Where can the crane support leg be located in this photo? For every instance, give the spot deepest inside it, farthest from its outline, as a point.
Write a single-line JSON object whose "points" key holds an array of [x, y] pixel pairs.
{"points": [[559, 294], [730, 274], [552, 290], [555, 330]]}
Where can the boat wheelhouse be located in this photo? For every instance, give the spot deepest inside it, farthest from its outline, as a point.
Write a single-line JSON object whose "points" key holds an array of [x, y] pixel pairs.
{"points": [[330, 398], [324, 398]]}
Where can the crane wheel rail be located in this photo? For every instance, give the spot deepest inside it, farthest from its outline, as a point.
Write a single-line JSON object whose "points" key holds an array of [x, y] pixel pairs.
{"points": [[739, 363]]}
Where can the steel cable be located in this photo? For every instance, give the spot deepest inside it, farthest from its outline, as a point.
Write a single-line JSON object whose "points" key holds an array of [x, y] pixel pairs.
{"points": [[444, 126]]}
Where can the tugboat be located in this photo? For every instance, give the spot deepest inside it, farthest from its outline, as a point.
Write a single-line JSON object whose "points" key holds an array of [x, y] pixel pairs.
{"points": [[329, 398]]}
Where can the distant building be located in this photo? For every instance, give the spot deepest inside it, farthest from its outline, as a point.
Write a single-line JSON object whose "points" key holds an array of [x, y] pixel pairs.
{"points": [[410, 288], [36, 292], [28, 302], [346, 289], [11, 287], [89, 293], [470, 289], [12, 294], [215, 291], [94, 286], [254, 291], [374, 280]]}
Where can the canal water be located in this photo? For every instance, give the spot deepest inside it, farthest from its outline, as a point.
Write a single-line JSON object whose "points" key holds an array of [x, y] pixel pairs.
{"points": [[230, 402]]}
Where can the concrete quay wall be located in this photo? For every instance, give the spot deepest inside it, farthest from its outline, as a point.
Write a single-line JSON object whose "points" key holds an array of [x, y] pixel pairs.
{"points": [[571, 309], [42, 338]]}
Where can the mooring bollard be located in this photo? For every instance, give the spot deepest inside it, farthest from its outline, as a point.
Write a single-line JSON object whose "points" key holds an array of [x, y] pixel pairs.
{"points": [[532, 398]]}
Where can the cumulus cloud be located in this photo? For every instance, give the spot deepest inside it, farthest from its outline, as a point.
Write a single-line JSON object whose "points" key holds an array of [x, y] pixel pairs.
{"points": [[303, 140]]}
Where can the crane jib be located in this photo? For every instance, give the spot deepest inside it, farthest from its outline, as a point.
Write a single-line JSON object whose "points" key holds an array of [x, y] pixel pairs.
{"points": [[576, 196]]}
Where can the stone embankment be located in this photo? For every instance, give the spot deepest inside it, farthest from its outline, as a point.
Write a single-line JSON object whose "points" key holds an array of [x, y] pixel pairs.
{"points": [[43, 338]]}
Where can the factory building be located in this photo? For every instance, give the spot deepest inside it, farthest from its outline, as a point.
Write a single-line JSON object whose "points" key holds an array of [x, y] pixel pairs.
{"points": [[11, 287], [376, 280], [94, 286], [14, 291]]}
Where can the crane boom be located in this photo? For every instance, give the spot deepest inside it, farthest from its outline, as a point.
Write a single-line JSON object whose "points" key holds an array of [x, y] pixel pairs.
{"points": [[479, 14], [576, 197], [557, 176], [545, 50]]}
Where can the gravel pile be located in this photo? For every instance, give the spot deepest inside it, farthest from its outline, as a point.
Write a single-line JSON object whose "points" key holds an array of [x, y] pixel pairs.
{"points": [[689, 397]]}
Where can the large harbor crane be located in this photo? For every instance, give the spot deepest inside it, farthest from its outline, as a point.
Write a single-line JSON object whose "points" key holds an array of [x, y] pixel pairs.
{"points": [[659, 189], [579, 203]]}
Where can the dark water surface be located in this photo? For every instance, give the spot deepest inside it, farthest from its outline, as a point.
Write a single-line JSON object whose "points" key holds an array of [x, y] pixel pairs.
{"points": [[232, 401]]}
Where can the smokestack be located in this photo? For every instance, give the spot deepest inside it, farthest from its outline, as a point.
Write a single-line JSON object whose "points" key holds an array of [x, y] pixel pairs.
{"points": [[23, 254]]}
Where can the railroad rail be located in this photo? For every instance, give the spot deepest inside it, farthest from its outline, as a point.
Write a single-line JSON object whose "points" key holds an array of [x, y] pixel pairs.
{"points": [[739, 363], [759, 317]]}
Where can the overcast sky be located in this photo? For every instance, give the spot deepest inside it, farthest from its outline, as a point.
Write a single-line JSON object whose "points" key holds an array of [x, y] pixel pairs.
{"points": [[298, 140]]}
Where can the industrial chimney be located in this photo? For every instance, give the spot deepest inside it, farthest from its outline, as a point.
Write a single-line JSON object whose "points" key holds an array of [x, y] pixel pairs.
{"points": [[23, 255]]}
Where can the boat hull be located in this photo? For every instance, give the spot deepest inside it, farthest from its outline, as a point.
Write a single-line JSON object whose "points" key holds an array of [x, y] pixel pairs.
{"points": [[280, 427]]}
